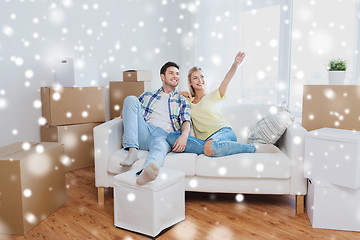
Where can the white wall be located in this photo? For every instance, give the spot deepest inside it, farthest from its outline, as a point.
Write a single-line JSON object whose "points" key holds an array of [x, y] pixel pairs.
{"points": [[144, 34], [34, 33]]}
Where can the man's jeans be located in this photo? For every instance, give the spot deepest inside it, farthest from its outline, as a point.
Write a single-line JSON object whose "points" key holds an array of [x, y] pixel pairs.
{"points": [[224, 143], [141, 135]]}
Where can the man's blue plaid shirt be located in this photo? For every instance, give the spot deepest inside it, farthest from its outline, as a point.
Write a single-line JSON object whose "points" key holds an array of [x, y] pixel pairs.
{"points": [[178, 105]]}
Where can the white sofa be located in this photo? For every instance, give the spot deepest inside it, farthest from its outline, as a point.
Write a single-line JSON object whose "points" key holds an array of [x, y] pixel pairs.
{"points": [[248, 173]]}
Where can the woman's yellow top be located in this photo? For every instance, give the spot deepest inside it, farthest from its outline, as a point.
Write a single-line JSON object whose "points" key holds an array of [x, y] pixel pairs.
{"points": [[206, 115]]}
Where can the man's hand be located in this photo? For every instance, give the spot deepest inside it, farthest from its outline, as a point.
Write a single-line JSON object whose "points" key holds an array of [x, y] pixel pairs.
{"points": [[180, 143]]}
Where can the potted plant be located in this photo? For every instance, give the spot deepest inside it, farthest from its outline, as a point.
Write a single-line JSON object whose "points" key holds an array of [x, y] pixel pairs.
{"points": [[337, 70]]}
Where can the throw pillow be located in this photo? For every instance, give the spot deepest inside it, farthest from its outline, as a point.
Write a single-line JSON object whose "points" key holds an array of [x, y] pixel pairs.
{"points": [[270, 127]]}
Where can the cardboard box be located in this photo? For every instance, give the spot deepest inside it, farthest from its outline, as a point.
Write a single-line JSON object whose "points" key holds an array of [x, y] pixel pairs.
{"points": [[70, 72], [78, 143], [137, 76], [73, 105], [332, 106], [333, 156], [32, 185], [120, 90], [333, 207]]}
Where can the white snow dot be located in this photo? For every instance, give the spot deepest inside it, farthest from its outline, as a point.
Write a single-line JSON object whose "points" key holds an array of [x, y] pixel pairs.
{"points": [[26, 146], [68, 114], [85, 7], [141, 24], [19, 61], [222, 171], [193, 183], [27, 84], [163, 176], [30, 218], [12, 16], [27, 193], [42, 121], [273, 109], [261, 75], [330, 94], [40, 148], [300, 75], [311, 116], [14, 131], [3, 103], [56, 96], [7, 30], [297, 140], [84, 137], [273, 43], [104, 24], [347, 111], [35, 35], [116, 107], [336, 123], [157, 50], [89, 31], [215, 59], [29, 73], [95, 6], [179, 30], [37, 57], [161, 19], [133, 48], [65, 160], [84, 114], [239, 197], [131, 197], [308, 97], [259, 167]]}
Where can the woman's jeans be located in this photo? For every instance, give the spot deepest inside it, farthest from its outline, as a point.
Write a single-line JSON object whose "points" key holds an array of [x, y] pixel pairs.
{"points": [[224, 143], [141, 135]]}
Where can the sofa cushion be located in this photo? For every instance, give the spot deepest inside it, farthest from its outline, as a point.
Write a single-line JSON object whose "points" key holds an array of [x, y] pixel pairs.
{"points": [[270, 128], [245, 165], [184, 161]]}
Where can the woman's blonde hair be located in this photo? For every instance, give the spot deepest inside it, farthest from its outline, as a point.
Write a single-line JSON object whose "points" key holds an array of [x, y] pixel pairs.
{"points": [[191, 89]]}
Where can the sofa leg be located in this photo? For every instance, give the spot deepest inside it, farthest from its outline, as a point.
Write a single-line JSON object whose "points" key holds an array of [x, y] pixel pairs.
{"points": [[101, 195], [300, 200]]}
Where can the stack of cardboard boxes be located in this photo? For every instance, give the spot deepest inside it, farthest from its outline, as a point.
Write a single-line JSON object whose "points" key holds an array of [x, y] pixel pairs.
{"points": [[73, 110], [71, 114], [134, 83]]}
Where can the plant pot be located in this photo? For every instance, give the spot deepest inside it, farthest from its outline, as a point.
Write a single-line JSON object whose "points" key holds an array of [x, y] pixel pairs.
{"points": [[337, 77]]}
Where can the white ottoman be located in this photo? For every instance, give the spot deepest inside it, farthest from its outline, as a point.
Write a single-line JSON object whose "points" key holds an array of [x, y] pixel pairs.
{"points": [[150, 208]]}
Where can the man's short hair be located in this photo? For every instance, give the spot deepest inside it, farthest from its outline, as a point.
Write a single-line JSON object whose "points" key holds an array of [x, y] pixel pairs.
{"points": [[166, 65]]}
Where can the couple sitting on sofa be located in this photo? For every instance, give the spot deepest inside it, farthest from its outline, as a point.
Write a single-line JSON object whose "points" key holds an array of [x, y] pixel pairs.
{"points": [[159, 121]]}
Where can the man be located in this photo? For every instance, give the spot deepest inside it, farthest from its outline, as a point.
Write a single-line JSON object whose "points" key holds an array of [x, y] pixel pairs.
{"points": [[148, 120]]}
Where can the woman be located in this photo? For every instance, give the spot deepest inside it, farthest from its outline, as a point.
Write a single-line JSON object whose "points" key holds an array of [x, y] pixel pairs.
{"points": [[214, 136]]}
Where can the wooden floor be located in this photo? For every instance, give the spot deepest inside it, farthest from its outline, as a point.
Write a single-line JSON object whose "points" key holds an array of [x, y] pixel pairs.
{"points": [[208, 216]]}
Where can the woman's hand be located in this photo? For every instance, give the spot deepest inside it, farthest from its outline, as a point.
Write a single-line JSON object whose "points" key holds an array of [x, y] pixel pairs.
{"points": [[185, 94], [239, 58]]}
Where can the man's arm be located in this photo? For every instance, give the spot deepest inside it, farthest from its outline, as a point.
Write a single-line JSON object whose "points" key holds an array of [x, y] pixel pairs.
{"points": [[180, 143]]}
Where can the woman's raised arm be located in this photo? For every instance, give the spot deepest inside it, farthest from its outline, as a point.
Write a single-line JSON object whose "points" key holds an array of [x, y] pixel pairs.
{"points": [[224, 84]]}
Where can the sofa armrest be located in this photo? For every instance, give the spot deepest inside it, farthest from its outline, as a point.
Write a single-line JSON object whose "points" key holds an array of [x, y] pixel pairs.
{"points": [[292, 143], [107, 139]]}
